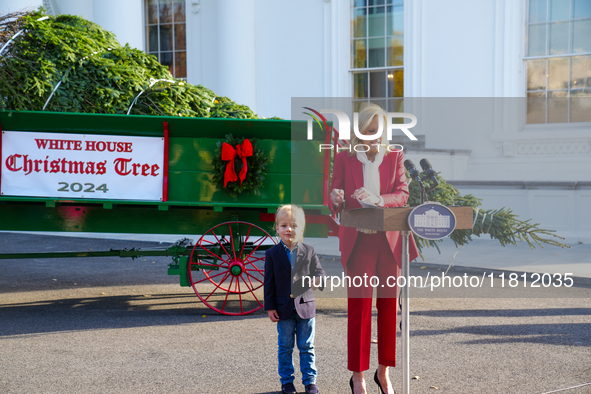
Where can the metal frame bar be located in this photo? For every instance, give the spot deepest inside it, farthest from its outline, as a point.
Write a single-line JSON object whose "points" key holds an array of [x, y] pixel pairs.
{"points": [[165, 169], [405, 331], [175, 251], [1, 137], [133, 253]]}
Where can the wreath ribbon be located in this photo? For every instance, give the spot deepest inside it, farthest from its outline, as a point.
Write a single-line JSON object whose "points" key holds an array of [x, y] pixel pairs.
{"points": [[229, 153]]}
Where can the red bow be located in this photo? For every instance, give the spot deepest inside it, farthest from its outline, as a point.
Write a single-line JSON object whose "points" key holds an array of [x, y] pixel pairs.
{"points": [[242, 150]]}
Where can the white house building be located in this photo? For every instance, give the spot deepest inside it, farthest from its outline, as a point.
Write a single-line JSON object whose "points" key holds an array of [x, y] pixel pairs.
{"points": [[432, 219], [508, 82]]}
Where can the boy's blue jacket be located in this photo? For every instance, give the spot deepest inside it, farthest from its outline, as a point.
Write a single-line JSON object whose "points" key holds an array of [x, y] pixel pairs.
{"points": [[285, 289]]}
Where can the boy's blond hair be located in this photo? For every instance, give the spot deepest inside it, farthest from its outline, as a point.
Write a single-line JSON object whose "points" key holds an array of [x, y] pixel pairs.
{"points": [[297, 216]]}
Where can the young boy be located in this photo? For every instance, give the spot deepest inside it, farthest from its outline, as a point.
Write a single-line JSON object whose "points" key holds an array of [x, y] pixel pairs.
{"points": [[289, 299]]}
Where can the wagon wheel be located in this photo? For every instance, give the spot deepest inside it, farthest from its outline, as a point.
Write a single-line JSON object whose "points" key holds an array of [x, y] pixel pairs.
{"points": [[230, 273]]}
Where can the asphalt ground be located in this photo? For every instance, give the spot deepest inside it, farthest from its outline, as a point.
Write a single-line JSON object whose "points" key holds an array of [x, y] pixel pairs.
{"points": [[112, 325]]}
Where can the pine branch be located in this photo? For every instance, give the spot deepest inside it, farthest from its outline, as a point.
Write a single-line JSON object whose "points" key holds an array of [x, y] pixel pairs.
{"points": [[501, 224], [109, 75]]}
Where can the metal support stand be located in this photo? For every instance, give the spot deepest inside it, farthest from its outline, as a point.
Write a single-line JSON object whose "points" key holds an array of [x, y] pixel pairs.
{"points": [[405, 315]]}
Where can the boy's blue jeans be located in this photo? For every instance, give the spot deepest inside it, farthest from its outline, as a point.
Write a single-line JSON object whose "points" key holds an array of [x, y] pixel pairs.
{"points": [[303, 329]]}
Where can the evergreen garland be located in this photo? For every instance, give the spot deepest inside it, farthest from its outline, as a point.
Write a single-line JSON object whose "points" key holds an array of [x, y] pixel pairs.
{"points": [[501, 224]]}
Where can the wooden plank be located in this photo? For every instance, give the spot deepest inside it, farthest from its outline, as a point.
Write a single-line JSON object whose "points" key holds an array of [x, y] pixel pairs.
{"points": [[464, 217], [395, 219]]}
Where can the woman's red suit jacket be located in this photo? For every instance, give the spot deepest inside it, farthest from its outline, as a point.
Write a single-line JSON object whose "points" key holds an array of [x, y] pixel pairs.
{"points": [[348, 175]]}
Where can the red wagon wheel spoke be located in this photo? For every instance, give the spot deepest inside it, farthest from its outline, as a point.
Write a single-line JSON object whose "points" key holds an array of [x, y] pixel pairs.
{"points": [[239, 294], [255, 260], [213, 257], [251, 289], [254, 250], [215, 288], [219, 243], [254, 277], [245, 241], [212, 265], [223, 269], [206, 249], [258, 270], [227, 294], [232, 240], [208, 277], [251, 265]]}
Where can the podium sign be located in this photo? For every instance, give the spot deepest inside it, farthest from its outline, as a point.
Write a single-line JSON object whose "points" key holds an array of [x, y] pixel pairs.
{"points": [[396, 219], [432, 221]]}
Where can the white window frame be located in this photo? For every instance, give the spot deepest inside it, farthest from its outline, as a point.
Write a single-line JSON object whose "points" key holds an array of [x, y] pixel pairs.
{"points": [[367, 69], [567, 55], [173, 51]]}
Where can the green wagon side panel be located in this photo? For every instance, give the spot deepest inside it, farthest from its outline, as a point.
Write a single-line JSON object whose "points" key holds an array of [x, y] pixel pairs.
{"points": [[128, 219], [197, 154], [122, 219], [194, 186], [307, 189], [194, 204], [63, 122], [306, 158]]}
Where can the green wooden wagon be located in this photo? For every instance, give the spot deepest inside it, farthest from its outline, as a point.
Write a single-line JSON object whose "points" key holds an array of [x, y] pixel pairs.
{"points": [[225, 265]]}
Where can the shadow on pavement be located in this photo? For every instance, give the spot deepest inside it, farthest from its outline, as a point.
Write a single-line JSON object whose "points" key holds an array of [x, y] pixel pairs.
{"points": [[506, 312], [108, 312], [563, 334]]}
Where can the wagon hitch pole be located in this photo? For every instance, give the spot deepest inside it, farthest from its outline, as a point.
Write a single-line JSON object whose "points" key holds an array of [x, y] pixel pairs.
{"points": [[181, 248], [174, 251]]}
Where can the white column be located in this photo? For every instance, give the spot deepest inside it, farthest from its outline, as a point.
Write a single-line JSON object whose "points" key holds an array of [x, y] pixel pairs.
{"points": [[337, 49], [509, 48], [413, 48], [514, 48], [194, 26], [81, 8], [236, 51], [123, 18]]}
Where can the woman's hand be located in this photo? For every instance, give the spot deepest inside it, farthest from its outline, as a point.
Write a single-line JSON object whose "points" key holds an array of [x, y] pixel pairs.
{"points": [[273, 315], [337, 196], [366, 196]]}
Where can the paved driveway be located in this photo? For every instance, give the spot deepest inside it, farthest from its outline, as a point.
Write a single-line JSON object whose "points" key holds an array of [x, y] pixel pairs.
{"points": [[111, 325]]}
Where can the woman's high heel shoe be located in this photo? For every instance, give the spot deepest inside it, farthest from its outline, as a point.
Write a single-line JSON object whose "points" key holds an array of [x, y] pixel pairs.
{"points": [[375, 378], [352, 385]]}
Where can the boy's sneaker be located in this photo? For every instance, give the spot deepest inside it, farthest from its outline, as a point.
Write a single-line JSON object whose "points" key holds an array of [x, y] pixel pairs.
{"points": [[311, 389], [288, 388]]}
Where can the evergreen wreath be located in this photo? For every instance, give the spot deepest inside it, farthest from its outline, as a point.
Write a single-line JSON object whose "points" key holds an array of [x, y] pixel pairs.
{"points": [[256, 166]]}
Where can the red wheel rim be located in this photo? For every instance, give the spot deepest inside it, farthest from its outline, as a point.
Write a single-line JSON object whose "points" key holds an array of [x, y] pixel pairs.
{"points": [[230, 286]]}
